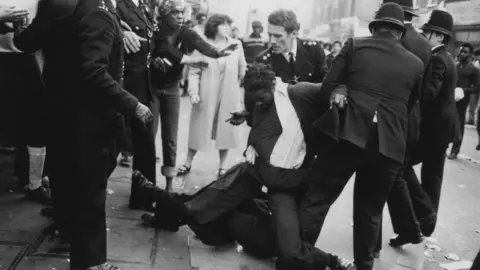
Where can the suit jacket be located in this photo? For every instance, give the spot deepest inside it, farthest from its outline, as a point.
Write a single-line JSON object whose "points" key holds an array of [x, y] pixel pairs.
{"points": [[309, 63], [419, 46], [266, 129], [137, 72], [84, 65], [383, 87], [439, 114]]}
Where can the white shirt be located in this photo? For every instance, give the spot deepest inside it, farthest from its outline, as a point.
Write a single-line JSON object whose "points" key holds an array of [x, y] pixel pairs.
{"points": [[6, 41], [290, 149], [114, 3], [292, 50], [135, 2]]}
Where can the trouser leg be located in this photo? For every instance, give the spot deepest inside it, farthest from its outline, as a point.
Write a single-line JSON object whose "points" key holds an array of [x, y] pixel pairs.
{"points": [[95, 159], [293, 252], [461, 109], [375, 182]]}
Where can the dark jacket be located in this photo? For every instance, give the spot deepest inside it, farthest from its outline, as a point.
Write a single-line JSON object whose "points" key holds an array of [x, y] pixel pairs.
{"points": [[383, 87], [309, 63], [266, 129], [419, 46], [137, 72], [439, 113], [185, 40], [84, 65]]}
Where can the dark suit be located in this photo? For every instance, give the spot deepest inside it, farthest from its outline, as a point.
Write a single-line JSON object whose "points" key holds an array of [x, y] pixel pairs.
{"points": [[137, 81], [439, 127], [285, 186], [309, 63], [83, 73], [383, 89], [405, 190]]}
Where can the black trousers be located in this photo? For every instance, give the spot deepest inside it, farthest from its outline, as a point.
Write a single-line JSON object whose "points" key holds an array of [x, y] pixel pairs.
{"points": [[144, 156], [462, 111], [375, 178], [81, 160], [400, 206], [476, 262], [293, 252]]}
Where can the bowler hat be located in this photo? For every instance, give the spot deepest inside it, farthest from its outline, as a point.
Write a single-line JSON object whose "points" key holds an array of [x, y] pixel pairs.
{"points": [[391, 14], [407, 5], [440, 21]]}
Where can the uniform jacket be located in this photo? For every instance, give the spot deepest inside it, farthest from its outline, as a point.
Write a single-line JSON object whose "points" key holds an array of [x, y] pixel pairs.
{"points": [[309, 63], [84, 65], [384, 88], [418, 45], [137, 73], [253, 46], [440, 122]]}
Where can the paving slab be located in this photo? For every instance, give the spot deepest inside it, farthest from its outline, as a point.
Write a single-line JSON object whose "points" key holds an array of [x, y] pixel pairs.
{"points": [[43, 263], [19, 237], [209, 258], [171, 250], [19, 214]]}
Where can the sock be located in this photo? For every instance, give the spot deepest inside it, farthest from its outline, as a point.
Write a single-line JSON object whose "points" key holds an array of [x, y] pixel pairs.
{"points": [[37, 160]]}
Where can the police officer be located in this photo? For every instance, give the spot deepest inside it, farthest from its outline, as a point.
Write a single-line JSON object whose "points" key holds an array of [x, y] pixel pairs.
{"points": [[139, 45], [254, 44], [371, 139], [83, 78], [291, 57], [404, 220], [440, 125]]}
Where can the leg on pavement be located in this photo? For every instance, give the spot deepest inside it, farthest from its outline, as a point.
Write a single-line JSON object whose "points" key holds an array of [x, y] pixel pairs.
{"points": [[293, 253], [326, 182], [95, 160]]}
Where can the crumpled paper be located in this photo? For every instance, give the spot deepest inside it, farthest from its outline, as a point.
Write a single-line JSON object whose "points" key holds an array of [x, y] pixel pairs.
{"points": [[452, 257]]}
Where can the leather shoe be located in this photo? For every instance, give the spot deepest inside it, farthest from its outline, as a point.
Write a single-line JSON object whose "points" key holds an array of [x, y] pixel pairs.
{"points": [[402, 240]]}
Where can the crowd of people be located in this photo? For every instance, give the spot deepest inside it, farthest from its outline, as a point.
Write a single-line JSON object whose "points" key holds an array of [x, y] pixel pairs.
{"points": [[111, 72]]}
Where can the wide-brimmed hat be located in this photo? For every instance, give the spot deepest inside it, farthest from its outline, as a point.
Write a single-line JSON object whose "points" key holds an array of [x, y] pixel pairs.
{"points": [[390, 14], [440, 21], [407, 5]]}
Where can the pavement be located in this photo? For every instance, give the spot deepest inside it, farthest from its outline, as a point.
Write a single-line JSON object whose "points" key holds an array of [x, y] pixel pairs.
{"points": [[23, 245]]}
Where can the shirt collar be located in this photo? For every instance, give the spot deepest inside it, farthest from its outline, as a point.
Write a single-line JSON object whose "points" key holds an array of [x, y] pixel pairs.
{"points": [[436, 47], [135, 2], [293, 50], [114, 3]]}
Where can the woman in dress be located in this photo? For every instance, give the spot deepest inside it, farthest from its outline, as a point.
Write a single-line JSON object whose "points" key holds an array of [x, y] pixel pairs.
{"points": [[215, 92]]}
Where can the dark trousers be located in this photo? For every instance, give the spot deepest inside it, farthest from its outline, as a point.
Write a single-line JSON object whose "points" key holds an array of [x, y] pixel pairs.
{"points": [[461, 110], [433, 164], [166, 112], [293, 252], [375, 177], [400, 206], [478, 127], [80, 163]]}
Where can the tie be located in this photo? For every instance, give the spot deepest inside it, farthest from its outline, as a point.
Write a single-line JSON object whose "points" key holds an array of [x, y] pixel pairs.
{"points": [[291, 62]]}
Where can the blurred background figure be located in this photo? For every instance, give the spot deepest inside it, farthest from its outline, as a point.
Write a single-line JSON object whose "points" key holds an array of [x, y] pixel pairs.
{"points": [[201, 20], [336, 48], [254, 44], [235, 33], [327, 48], [215, 92]]}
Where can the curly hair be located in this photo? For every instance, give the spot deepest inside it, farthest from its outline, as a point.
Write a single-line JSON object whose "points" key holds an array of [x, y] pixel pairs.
{"points": [[211, 27], [285, 18], [469, 46], [259, 77]]}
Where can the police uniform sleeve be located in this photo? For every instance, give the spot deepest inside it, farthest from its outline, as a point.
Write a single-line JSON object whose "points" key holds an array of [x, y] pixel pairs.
{"points": [[436, 75], [35, 36], [97, 37], [320, 62]]}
